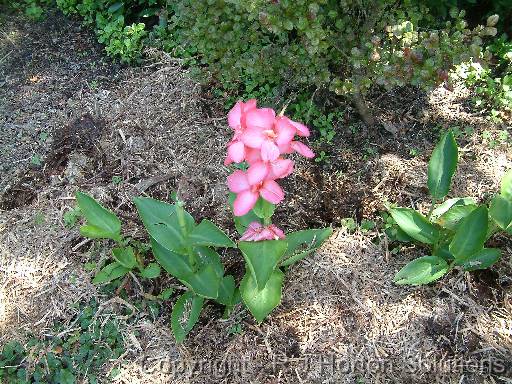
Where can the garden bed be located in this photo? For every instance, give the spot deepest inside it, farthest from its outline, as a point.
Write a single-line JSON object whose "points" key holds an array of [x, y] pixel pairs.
{"points": [[70, 120]]}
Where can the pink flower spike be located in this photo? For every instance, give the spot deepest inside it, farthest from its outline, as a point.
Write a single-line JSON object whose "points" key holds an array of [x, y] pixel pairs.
{"points": [[257, 172], [236, 151], [237, 182], [272, 192], [285, 131], [303, 149], [244, 202], [262, 118]]}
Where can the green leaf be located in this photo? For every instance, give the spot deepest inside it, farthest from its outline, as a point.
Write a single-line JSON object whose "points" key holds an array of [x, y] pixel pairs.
{"points": [[226, 290], [161, 221], [422, 270], [443, 252], [166, 294], [415, 225], [115, 7], [101, 223], [500, 211], [453, 217], [208, 256], [175, 264], [205, 282], [310, 238], [110, 272], [207, 234], [442, 166], [506, 185], [151, 271], [242, 222], [262, 301], [445, 206], [125, 257], [481, 260], [471, 234], [185, 314], [262, 258], [263, 209]]}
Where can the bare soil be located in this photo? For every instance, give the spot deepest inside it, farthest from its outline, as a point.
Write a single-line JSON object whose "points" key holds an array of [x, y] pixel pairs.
{"points": [[119, 132]]}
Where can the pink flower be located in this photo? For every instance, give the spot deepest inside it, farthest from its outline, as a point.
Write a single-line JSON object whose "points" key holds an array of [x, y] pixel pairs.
{"points": [[248, 193], [257, 232]]}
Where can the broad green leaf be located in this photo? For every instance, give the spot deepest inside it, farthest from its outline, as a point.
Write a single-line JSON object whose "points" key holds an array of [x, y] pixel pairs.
{"points": [[443, 252], [262, 301], [422, 270], [481, 260], [395, 233], [500, 211], [185, 314], [471, 234], [263, 209], [453, 217], [175, 264], [442, 166], [151, 271], [205, 282], [101, 223], [161, 221], [303, 243], [309, 238], [446, 205], [110, 272], [242, 222], [207, 234], [226, 290], [262, 258], [506, 185], [208, 256], [415, 225], [125, 257]]}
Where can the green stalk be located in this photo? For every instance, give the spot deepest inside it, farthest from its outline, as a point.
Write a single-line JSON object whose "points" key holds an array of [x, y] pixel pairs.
{"points": [[183, 228]]}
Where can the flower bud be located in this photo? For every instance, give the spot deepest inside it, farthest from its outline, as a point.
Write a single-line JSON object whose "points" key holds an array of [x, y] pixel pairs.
{"points": [[492, 20], [490, 31]]}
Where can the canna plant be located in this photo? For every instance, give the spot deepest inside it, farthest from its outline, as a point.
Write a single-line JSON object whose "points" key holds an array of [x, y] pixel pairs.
{"points": [[189, 251], [455, 230]]}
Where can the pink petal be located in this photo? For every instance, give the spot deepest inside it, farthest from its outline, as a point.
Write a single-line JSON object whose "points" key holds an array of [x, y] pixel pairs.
{"points": [[303, 149], [236, 151], [253, 137], [257, 172], [285, 133], [235, 114], [302, 130], [262, 118], [277, 231], [244, 202], [265, 234], [269, 151], [250, 104], [285, 148], [237, 182], [252, 155], [272, 192], [281, 168]]}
